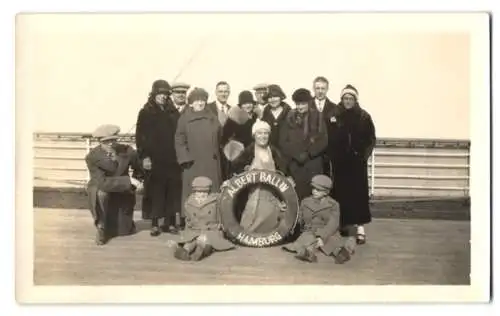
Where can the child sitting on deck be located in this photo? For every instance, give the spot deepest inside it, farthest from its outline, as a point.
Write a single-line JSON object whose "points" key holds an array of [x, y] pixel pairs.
{"points": [[319, 217], [202, 234]]}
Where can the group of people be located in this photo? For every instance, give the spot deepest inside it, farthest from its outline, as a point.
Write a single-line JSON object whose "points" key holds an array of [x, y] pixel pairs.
{"points": [[188, 148]]}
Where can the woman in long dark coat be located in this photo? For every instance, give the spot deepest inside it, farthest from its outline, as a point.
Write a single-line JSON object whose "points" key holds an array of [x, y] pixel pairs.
{"points": [[351, 142], [302, 141], [197, 143], [155, 133]]}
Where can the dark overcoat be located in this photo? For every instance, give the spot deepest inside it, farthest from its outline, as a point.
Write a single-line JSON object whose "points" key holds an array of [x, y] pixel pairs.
{"points": [[155, 138], [198, 150], [212, 106], [238, 132], [248, 155], [110, 191], [275, 123], [303, 146], [351, 142], [223, 120], [203, 219], [328, 110], [317, 218]]}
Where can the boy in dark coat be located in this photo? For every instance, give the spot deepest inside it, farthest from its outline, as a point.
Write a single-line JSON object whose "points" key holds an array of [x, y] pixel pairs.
{"points": [[203, 234], [319, 219], [111, 190]]}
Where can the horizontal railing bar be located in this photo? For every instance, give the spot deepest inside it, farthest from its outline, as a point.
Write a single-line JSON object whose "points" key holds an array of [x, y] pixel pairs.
{"points": [[59, 158], [59, 168], [409, 165], [39, 146], [386, 199], [400, 187], [381, 142], [80, 181], [377, 176], [403, 187], [447, 140], [62, 180], [416, 176], [409, 154], [379, 164], [386, 154]]}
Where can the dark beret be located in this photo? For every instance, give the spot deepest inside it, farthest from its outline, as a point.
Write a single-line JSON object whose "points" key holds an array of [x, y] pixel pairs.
{"points": [[301, 95]]}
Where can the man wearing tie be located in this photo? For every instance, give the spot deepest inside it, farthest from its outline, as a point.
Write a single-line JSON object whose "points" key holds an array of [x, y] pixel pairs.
{"points": [[260, 98], [326, 109], [220, 107]]}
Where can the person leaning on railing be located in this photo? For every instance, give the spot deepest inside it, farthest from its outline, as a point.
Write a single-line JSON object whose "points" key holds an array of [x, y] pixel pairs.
{"points": [[111, 190]]}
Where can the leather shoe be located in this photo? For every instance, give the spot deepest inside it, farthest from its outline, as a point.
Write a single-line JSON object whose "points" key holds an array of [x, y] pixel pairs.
{"points": [[155, 231], [342, 256], [181, 254]]}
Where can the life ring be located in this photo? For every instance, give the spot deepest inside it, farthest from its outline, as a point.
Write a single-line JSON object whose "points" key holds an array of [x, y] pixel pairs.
{"points": [[227, 199]]}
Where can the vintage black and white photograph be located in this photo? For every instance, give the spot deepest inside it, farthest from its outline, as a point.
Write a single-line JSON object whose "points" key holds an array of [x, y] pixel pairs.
{"points": [[253, 149]]}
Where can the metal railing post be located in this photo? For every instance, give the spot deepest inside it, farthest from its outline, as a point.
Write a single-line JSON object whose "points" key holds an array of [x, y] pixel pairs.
{"points": [[372, 176], [467, 191], [87, 150]]}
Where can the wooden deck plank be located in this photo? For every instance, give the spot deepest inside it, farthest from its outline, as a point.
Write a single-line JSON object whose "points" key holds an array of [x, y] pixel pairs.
{"points": [[398, 252]]}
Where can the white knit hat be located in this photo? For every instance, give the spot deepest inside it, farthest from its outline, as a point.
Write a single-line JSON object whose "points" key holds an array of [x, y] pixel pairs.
{"points": [[349, 89], [260, 125]]}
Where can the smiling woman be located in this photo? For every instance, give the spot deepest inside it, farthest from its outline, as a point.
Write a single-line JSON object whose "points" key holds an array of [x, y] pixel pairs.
{"points": [[257, 201], [266, 228]]}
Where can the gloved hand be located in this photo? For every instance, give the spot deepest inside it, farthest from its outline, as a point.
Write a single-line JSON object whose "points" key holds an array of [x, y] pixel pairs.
{"points": [[187, 164], [319, 242], [302, 157], [283, 207], [146, 163], [224, 184], [137, 184]]}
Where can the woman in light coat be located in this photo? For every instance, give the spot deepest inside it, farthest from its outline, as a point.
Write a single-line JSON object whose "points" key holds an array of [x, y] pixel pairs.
{"points": [[197, 143]]}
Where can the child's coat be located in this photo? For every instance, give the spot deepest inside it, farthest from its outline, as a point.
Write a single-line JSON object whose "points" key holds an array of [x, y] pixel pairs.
{"points": [[318, 218], [203, 219]]}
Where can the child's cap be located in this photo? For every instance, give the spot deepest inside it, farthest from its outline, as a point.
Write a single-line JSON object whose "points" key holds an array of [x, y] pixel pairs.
{"points": [[322, 182], [201, 184]]}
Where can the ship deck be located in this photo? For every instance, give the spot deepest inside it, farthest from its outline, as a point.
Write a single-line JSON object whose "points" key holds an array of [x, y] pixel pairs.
{"points": [[398, 251]]}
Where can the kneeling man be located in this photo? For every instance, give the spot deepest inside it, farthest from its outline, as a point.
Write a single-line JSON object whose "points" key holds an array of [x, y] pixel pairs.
{"points": [[111, 190]]}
